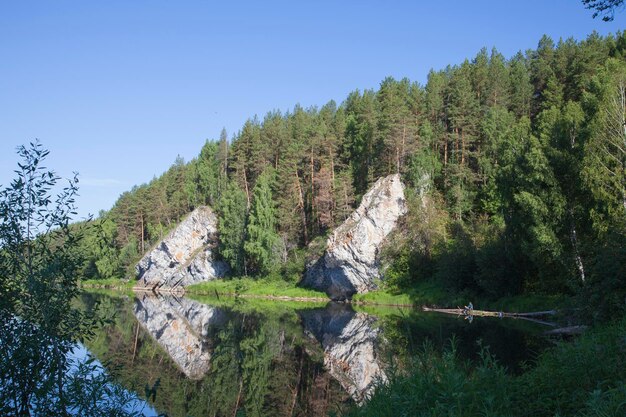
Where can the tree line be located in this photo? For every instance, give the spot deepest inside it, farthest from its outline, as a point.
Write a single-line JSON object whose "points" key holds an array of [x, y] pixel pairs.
{"points": [[515, 171]]}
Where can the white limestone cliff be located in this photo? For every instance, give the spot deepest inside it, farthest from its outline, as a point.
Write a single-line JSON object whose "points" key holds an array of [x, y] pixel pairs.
{"points": [[351, 262], [185, 256]]}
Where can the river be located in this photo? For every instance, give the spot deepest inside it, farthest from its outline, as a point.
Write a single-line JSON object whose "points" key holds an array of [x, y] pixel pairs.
{"points": [[233, 357]]}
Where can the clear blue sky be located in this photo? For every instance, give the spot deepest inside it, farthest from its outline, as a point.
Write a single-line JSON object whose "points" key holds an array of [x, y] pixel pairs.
{"points": [[117, 89]]}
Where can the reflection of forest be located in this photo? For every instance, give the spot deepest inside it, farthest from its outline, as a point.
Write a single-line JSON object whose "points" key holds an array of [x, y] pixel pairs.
{"points": [[259, 362], [180, 326], [512, 342], [273, 360], [350, 342]]}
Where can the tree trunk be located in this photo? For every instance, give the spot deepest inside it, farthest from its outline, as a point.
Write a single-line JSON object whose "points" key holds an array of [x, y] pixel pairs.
{"points": [[462, 147], [245, 183], [577, 258], [312, 192], [301, 207], [142, 235]]}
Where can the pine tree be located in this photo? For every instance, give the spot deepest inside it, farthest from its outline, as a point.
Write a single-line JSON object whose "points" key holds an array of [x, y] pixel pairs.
{"points": [[232, 208], [262, 245], [605, 152], [521, 89]]}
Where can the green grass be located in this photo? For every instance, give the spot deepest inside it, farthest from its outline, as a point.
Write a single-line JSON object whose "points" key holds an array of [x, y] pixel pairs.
{"points": [[423, 293], [110, 292], [109, 283], [381, 311], [256, 304], [251, 287], [383, 297], [433, 293]]}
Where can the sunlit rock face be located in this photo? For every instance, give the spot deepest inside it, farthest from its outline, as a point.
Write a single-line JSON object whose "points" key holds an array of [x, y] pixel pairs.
{"points": [[185, 256], [350, 342], [350, 264], [180, 326]]}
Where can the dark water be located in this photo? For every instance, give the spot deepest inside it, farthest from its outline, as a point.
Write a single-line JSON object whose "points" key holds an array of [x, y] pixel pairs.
{"points": [[232, 357]]}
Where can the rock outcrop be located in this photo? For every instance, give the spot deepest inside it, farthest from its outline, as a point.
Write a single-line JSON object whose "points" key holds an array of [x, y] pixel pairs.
{"points": [[185, 256], [350, 341], [350, 264], [181, 327]]}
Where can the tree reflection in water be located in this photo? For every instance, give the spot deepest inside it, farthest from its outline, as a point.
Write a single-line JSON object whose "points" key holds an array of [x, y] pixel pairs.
{"points": [[218, 357]]}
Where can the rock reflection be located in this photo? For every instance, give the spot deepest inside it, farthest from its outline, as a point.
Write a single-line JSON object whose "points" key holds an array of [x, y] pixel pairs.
{"points": [[350, 343], [181, 327]]}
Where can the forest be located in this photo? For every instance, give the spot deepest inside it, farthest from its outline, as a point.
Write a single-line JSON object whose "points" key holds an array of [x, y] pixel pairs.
{"points": [[515, 171], [515, 174]]}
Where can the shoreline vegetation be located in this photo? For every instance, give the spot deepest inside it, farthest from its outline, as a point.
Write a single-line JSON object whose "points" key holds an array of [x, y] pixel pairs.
{"points": [[515, 175], [581, 376], [427, 295], [249, 288]]}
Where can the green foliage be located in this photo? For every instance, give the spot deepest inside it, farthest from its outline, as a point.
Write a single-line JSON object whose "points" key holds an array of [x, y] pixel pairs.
{"points": [[604, 170], [441, 385], [207, 180], [574, 375], [397, 274], [232, 227], [493, 268], [104, 251], [604, 296], [262, 243], [583, 377], [385, 297], [259, 355], [604, 8], [39, 261], [255, 367], [254, 287], [108, 283], [515, 174], [516, 183]]}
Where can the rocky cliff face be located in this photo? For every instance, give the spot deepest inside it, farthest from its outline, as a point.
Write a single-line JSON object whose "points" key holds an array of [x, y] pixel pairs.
{"points": [[350, 263], [181, 327], [350, 342], [185, 256]]}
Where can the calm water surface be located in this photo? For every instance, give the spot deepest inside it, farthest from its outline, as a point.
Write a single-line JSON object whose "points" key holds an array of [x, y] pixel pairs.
{"points": [[229, 357]]}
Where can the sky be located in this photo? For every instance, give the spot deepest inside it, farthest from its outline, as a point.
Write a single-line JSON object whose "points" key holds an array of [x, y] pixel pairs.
{"points": [[116, 90]]}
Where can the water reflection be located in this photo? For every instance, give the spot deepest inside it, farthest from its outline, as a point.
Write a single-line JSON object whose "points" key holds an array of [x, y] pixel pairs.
{"points": [[217, 361], [216, 357], [181, 327], [350, 342]]}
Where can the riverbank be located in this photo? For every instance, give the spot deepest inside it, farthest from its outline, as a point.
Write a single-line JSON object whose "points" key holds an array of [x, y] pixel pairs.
{"points": [[256, 288], [108, 284], [285, 291], [424, 294]]}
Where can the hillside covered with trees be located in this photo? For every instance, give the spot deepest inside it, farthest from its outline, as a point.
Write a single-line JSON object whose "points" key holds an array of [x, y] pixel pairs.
{"points": [[515, 171]]}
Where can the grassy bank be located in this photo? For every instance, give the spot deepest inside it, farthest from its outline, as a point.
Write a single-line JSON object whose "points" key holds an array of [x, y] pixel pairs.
{"points": [[251, 304], [255, 288], [382, 297], [583, 377], [109, 284], [425, 293]]}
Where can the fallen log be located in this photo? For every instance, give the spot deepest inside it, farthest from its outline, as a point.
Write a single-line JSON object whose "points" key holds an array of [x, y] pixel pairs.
{"points": [[564, 331], [483, 313]]}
